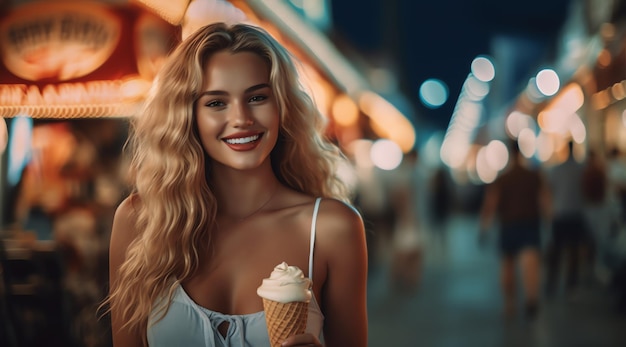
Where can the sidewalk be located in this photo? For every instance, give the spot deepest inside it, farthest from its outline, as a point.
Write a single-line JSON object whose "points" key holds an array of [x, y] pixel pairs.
{"points": [[458, 303]]}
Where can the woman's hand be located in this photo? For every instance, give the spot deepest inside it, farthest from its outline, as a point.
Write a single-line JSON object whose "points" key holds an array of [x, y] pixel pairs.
{"points": [[302, 340]]}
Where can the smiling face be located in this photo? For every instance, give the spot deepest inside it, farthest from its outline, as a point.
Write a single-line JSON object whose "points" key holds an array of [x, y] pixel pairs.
{"points": [[236, 113]]}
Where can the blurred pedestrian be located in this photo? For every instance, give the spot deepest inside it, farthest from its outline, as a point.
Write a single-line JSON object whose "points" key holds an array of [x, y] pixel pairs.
{"points": [[595, 189], [614, 251], [406, 247], [570, 231], [517, 197], [441, 205], [616, 175]]}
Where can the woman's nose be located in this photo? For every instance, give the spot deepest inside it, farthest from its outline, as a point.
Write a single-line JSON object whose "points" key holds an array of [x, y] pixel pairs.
{"points": [[240, 115]]}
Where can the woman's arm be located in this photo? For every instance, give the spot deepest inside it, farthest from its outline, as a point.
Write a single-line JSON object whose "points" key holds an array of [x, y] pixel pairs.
{"points": [[122, 234], [341, 242]]}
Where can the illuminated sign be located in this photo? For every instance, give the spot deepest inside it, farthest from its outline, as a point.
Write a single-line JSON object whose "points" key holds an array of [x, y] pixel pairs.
{"points": [[79, 59], [60, 41]]}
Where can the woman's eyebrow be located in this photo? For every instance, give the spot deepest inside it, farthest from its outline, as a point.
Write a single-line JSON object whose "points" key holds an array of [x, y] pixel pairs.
{"points": [[257, 87], [248, 90]]}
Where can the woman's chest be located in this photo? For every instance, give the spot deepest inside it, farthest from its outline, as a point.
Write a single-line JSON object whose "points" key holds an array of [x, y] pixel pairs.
{"points": [[232, 270]]}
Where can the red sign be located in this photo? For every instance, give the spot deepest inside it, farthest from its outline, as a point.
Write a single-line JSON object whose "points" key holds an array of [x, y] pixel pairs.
{"points": [[79, 59]]}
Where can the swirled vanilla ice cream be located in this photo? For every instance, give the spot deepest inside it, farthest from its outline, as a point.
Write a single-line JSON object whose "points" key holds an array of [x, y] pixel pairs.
{"points": [[286, 295], [286, 284]]}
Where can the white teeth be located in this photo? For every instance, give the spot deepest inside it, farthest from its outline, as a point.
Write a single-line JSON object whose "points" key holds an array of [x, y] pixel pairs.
{"points": [[243, 139]]}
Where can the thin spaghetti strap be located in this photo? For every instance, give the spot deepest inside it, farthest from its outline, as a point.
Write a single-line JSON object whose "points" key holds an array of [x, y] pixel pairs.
{"points": [[312, 242]]}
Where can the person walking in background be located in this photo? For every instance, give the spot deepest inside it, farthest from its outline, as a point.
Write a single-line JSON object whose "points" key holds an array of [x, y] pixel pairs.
{"points": [[570, 231], [440, 206], [595, 191], [613, 252], [517, 198], [406, 238], [232, 176], [616, 175]]}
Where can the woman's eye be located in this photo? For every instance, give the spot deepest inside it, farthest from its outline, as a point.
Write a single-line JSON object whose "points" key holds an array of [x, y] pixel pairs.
{"points": [[214, 103], [258, 98]]}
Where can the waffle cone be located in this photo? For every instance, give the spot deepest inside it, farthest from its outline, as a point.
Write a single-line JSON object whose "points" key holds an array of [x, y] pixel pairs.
{"points": [[284, 319]]}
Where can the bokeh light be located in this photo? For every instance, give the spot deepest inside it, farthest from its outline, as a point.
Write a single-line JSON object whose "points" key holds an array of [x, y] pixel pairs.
{"points": [[345, 111], [386, 154], [433, 93], [577, 128], [476, 89], [516, 122], [527, 142], [483, 69], [548, 82], [496, 155], [484, 170], [545, 146]]}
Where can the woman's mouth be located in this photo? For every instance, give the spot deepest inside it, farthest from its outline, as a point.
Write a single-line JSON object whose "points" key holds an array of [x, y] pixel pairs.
{"points": [[242, 140], [243, 143]]}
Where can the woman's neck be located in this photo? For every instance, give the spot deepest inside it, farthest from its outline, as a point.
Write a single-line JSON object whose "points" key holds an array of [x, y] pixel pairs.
{"points": [[241, 194]]}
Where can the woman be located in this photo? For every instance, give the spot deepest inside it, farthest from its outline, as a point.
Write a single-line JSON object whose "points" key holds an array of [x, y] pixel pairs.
{"points": [[232, 177]]}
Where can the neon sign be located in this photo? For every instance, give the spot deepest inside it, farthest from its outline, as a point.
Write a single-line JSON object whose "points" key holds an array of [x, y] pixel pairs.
{"points": [[67, 59]]}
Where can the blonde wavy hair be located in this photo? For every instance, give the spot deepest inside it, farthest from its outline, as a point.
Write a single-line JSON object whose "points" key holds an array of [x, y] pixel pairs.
{"points": [[176, 207]]}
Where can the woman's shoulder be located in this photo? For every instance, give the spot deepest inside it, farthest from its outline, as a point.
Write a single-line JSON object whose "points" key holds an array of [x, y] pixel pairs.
{"points": [[127, 209], [125, 218], [338, 217], [124, 230], [333, 216], [340, 240], [338, 209]]}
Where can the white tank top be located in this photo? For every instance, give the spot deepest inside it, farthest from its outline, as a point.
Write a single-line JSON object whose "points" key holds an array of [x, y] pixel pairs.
{"points": [[189, 324]]}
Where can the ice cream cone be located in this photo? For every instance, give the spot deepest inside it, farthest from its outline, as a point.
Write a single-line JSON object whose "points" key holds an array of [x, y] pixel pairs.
{"points": [[284, 319], [286, 295]]}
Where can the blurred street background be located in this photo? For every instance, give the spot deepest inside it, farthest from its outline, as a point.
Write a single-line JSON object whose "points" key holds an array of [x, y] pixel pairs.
{"points": [[456, 301], [426, 99]]}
